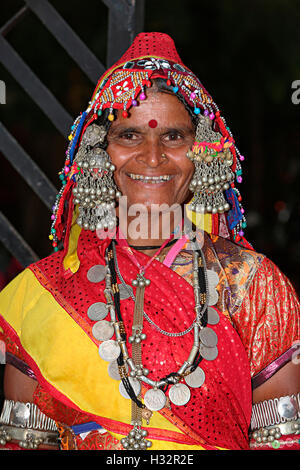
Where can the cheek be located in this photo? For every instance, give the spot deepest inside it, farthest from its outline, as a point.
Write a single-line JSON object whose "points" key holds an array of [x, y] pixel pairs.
{"points": [[187, 172], [116, 155], [119, 158]]}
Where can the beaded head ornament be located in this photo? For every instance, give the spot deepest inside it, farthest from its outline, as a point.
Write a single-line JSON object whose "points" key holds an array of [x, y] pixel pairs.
{"points": [[214, 153]]}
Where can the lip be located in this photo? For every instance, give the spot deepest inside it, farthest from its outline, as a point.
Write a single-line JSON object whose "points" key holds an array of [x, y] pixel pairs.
{"points": [[150, 180]]}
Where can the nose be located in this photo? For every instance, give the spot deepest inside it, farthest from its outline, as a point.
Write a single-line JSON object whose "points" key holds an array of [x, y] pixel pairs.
{"points": [[152, 154]]}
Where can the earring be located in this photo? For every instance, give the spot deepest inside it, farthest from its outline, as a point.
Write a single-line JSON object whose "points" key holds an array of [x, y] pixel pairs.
{"points": [[95, 191], [213, 175]]}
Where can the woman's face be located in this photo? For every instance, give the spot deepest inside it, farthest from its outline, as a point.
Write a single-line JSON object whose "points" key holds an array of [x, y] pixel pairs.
{"points": [[137, 151]]}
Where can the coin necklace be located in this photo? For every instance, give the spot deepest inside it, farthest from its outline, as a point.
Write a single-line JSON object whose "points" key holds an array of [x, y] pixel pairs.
{"points": [[130, 387], [115, 352]]}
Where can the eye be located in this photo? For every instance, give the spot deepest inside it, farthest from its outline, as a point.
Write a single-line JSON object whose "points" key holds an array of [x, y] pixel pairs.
{"points": [[127, 135], [174, 136]]}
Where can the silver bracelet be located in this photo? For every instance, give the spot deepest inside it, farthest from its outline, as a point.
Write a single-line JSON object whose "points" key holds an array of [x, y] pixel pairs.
{"points": [[25, 423], [275, 411]]}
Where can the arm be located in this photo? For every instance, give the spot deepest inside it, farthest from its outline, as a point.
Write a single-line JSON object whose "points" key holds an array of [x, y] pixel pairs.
{"points": [[284, 382], [269, 325], [286, 436], [20, 388]]}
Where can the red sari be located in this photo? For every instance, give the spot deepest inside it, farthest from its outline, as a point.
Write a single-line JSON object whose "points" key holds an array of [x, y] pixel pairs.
{"points": [[218, 413]]}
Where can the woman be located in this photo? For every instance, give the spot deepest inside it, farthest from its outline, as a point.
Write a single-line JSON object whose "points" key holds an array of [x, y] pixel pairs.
{"points": [[141, 331]]}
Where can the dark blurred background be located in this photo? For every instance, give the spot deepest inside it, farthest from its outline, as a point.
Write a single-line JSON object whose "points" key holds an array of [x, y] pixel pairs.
{"points": [[246, 53]]}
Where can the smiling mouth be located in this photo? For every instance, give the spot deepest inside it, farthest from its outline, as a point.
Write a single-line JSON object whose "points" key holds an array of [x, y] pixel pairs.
{"points": [[150, 179]]}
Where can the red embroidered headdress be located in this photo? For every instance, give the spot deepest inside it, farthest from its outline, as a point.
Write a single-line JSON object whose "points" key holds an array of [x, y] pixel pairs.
{"points": [[152, 55]]}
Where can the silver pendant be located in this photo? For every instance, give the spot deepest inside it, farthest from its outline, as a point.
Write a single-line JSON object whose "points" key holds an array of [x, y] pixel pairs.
{"points": [[96, 273], [213, 296], [113, 370], [210, 354], [155, 399], [212, 316], [103, 330], [125, 291], [196, 378], [136, 385], [97, 311], [212, 278], [179, 394], [208, 337], [109, 350], [287, 407], [20, 414]]}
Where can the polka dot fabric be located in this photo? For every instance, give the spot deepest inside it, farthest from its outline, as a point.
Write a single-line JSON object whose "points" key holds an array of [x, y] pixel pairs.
{"points": [[149, 44], [220, 410]]}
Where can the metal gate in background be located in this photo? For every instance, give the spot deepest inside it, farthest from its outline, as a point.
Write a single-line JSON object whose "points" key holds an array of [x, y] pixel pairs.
{"points": [[125, 20]]}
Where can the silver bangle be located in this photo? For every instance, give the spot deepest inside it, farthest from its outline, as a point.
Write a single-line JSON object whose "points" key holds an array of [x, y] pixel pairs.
{"points": [[271, 435], [27, 438], [275, 411], [25, 423]]}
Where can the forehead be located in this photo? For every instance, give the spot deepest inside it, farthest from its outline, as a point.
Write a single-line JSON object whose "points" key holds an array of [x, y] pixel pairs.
{"points": [[164, 108]]}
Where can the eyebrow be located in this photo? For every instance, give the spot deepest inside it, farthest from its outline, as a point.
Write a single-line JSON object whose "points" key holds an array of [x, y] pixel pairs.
{"points": [[140, 129]]}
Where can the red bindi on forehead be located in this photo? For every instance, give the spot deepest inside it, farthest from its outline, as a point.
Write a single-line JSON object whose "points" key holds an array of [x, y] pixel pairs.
{"points": [[152, 123]]}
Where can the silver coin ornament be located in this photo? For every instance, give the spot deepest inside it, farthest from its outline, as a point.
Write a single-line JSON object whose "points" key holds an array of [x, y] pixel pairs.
{"points": [[155, 399], [213, 317], [179, 394], [96, 273], [212, 278], [97, 311], [208, 337], [103, 330], [136, 385], [109, 350], [210, 354], [196, 378], [113, 370], [20, 414], [287, 407], [213, 296], [125, 291]]}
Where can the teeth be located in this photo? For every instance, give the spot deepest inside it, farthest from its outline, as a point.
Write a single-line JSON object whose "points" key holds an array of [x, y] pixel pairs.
{"points": [[150, 179]]}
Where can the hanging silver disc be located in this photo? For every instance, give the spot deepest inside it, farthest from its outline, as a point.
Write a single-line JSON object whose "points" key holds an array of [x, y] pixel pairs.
{"points": [[97, 311], [208, 337], [179, 394], [213, 296], [287, 407], [125, 291], [136, 385], [20, 414], [196, 378], [96, 273], [212, 278], [109, 350], [103, 330], [208, 353], [212, 316], [113, 370], [155, 399]]}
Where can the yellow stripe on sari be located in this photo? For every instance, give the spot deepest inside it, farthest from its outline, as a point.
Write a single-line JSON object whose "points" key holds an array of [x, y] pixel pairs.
{"points": [[68, 360]]}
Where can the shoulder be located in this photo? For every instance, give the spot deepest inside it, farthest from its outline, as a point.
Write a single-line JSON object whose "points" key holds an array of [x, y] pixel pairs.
{"points": [[26, 290], [260, 299], [268, 320], [236, 265]]}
